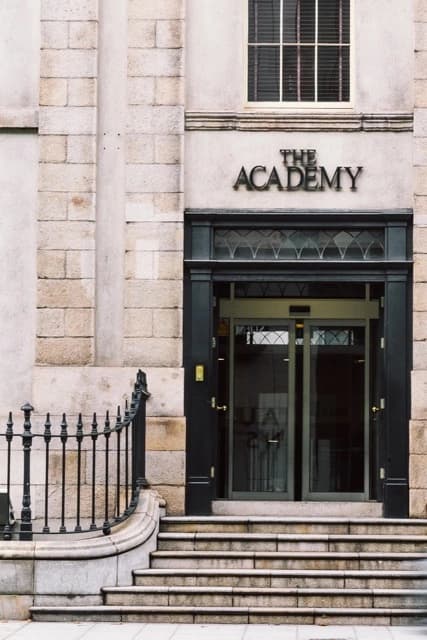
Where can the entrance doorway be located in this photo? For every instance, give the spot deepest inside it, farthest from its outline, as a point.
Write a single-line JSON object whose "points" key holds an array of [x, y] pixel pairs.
{"points": [[297, 387]]}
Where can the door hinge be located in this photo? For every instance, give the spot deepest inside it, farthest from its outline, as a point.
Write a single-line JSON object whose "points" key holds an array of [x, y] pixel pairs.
{"points": [[214, 301], [212, 472], [213, 342], [382, 343], [382, 403], [382, 473], [382, 302], [213, 402]]}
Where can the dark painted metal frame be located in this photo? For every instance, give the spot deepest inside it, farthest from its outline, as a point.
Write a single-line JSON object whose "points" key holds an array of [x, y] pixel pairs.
{"points": [[202, 271]]}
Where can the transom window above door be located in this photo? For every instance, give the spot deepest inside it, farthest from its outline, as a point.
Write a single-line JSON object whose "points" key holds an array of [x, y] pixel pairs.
{"points": [[299, 51]]}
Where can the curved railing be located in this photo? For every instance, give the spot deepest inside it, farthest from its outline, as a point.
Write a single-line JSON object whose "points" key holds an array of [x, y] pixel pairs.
{"points": [[89, 476]]}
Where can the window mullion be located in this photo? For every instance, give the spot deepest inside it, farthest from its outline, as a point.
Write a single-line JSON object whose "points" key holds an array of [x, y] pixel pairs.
{"points": [[316, 52], [281, 53]]}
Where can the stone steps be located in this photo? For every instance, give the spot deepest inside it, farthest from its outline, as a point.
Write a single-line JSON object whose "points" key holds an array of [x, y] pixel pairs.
{"points": [[272, 571], [291, 542], [236, 615], [244, 524], [284, 560], [281, 578], [265, 597]]}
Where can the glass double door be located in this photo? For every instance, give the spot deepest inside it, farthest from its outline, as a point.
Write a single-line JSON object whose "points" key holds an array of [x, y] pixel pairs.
{"points": [[298, 414]]}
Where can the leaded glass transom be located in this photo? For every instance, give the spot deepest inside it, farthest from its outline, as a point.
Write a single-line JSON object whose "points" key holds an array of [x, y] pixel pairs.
{"points": [[301, 244], [261, 335]]}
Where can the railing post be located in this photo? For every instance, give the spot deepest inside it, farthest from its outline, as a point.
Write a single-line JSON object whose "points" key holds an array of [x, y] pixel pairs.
{"points": [[7, 533], [26, 532], [139, 419]]}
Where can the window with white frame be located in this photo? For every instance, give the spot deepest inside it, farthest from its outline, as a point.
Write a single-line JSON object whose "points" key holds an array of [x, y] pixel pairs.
{"points": [[299, 51]]}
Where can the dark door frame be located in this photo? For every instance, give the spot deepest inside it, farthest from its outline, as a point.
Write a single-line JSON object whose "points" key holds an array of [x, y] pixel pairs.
{"points": [[203, 270]]}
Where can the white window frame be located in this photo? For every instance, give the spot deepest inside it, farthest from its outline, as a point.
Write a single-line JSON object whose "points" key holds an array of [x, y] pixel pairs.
{"points": [[302, 105]]}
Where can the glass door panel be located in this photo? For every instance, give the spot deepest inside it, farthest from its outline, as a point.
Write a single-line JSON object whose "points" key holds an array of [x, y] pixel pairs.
{"points": [[261, 429], [335, 411]]}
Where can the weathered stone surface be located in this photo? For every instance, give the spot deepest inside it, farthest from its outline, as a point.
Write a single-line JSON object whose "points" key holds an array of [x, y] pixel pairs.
{"points": [[160, 119], [142, 33], [419, 394], [165, 434], [15, 607], [82, 92], [140, 207], [138, 323], [420, 240], [51, 264], [101, 388], [50, 322], [420, 267], [139, 149], [418, 503], [169, 149], [418, 437], [420, 89], [165, 467], [66, 235], [79, 322], [155, 62], [69, 10], [169, 206], [169, 91], [420, 36], [153, 352], [68, 120], [141, 265], [170, 34], [153, 178], [68, 63], [420, 64], [153, 236], [52, 206], [418, 471], [420, 207], [152, 9], [65, 293], [420, 325], [54, 35], [420, 122], [16, 577], [167, 323], [53, 92], [420, 10], [151, 295], [53, 148], [83, 35], [141, 91], [420, 355], [81, 206], [64, 351], [80, 264], [420, 176], [174, 497], [81, 149], [66, 177], [170, 265], [420, 296]]}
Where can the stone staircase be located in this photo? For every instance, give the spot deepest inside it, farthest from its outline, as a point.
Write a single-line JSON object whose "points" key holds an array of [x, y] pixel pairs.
{"points": [[273, 571]]}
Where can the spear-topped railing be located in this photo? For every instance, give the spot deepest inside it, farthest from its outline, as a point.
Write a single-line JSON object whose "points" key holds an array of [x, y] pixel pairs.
{"points": [[99, 469]]}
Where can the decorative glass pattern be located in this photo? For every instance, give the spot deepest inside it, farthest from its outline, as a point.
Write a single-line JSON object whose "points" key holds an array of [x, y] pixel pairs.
{"points": [[302, 244], [261, 335], [332, 337]]}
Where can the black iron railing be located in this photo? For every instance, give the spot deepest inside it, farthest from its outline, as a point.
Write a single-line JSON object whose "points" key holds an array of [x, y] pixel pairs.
{"points": [[104, 461]]}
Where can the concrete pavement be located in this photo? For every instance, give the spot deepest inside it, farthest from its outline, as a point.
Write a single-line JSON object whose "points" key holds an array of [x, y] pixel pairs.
{"points": [[116, 631]]}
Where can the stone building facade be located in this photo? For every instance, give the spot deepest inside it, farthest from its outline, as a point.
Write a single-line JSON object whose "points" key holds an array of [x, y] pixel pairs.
{"points": [[124, 124]]}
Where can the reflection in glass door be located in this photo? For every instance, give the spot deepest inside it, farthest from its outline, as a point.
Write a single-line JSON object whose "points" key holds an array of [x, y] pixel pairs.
{"points": [[335, 420], [262, 419]]}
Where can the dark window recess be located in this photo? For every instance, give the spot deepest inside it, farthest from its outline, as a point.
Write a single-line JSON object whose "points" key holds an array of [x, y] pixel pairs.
{"points": [[299, 51]]}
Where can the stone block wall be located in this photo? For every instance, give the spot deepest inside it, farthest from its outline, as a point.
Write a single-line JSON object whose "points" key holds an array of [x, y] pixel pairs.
{"points": [[67, 174], [418, 426], [110, 214]]}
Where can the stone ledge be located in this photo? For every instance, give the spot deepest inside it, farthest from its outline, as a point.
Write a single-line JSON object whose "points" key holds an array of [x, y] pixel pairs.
{"points": [[280, 121], [16, 118]]}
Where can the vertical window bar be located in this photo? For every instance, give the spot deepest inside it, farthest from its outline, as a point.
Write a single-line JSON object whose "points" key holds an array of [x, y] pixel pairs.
{"points": [[281, 52], [299, 50], [340, 49], [316, 52]]}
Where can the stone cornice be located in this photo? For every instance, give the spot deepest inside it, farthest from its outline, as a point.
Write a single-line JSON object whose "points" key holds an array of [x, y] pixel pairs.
{"points": [[18, 118], [280, 121]]}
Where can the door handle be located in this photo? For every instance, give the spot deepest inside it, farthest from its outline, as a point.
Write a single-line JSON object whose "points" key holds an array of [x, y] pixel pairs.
{"points": [[222, 407], [375, 409]]}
